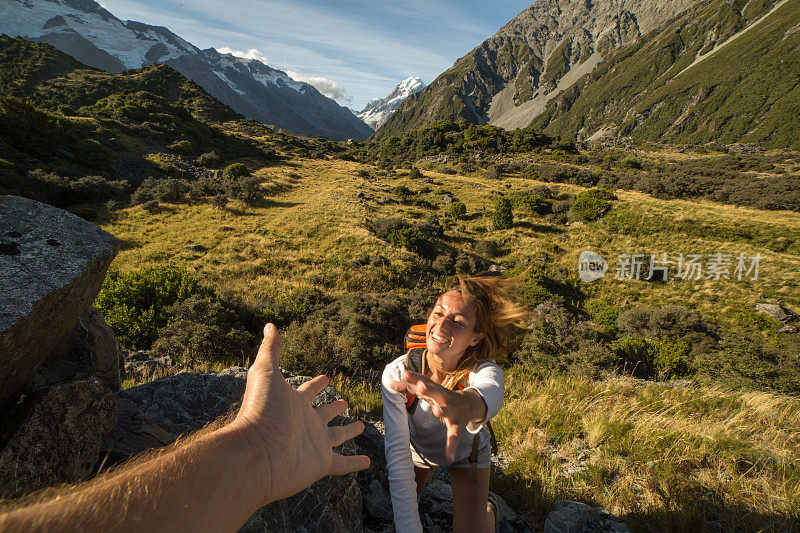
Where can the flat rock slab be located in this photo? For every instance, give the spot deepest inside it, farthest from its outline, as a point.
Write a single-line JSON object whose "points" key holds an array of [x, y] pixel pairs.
{"points": [[52, 265], [156, 413]]}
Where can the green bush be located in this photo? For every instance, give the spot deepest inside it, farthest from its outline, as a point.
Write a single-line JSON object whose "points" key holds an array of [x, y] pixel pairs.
{"points": [[415, 174], [412, 240], [503, 216], [209, 159], [604, 315], [457, 210], [591, 205], [182, 147], [135, 304], [234, 171], [352, 333], [652, 358], [93, 154], [201, 330]]}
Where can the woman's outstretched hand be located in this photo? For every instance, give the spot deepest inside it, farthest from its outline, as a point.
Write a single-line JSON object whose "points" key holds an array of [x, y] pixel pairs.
{"points": [[284, 426], [455, 408]]}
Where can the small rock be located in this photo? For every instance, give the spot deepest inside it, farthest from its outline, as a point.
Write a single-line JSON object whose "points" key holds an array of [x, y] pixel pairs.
{"points": [[195, 247], [777, 312], [447, 199], [568, 516]]}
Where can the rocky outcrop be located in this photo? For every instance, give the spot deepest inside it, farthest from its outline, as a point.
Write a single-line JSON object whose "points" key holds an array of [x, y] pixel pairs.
{"points": [[157, 413], [52, 264], [568, 516], [56, 437], [90, 348]]}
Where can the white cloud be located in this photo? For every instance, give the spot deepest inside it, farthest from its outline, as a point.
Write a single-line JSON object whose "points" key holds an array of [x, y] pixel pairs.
{"points": [[253, 53], [329, 88]]}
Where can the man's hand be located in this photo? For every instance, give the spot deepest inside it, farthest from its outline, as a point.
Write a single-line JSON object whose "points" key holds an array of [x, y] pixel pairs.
{"points": [[455, 408], [293, 437]]}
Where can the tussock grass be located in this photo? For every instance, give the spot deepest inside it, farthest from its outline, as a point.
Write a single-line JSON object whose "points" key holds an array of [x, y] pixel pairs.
{"points": [[670, 455]]}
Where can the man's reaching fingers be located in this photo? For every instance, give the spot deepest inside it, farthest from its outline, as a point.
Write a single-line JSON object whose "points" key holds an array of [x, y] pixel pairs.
{"points": [[341, 434], [330, 410], [312, 387], [344, 464], [270, 350]]}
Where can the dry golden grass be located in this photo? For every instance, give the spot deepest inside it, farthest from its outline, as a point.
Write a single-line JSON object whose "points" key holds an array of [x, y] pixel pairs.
{"points": [[669, 456]]}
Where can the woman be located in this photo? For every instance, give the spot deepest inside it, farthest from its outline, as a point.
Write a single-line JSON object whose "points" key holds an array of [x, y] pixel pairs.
{"points": [[459, 388]]}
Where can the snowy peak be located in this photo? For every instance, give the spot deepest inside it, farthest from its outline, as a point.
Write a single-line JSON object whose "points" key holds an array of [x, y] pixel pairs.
{"points": [[378, 110]]}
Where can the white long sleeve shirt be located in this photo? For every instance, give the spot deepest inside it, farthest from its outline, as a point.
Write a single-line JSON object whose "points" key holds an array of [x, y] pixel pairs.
{"points": [[429, 435]]}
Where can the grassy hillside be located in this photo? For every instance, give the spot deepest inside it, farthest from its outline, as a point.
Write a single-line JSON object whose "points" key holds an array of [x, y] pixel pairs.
{"points": [[669, 455]]}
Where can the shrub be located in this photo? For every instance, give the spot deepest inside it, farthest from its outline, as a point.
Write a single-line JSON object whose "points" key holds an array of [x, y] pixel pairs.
{"points": [[492, 173], [234, 171], [93, 154], [220, 201], [412, 240], [183, 147], [604, 314], [250, 191], [651, 358], [151, 206], [560, 342], [67, 110], [402, 191], [448, 170], [135, 304], [415, 174], [352, 333], [503, 216], [457, 210], [591, 205], [444, 264], [209, 159], [488, 248], [201, 329]]}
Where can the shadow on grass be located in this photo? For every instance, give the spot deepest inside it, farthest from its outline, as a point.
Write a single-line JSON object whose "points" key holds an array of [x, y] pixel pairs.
{"points": [[686, 508]]}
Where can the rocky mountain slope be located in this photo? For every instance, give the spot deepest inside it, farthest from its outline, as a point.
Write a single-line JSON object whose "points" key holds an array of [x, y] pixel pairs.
{"points": [[95, 37], [535, 68], [378, 110]]}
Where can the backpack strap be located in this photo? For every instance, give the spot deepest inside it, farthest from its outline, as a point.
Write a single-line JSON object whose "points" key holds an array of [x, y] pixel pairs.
{"points": [[413, 363]]}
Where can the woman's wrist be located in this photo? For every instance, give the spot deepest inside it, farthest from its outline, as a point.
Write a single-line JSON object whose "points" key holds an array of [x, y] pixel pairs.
{"points": [[477, 406]]}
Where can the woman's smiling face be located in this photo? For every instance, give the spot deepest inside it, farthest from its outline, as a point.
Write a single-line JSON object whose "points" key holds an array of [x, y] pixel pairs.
{"points": [[451, 328]]}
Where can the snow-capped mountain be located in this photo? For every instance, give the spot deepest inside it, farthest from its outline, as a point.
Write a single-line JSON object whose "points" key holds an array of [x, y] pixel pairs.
{"points": [[95, 37], [378, 110]]}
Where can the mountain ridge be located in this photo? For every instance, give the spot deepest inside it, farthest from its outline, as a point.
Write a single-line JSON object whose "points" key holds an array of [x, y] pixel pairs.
{"points": [[97, 38], [535, 67]]}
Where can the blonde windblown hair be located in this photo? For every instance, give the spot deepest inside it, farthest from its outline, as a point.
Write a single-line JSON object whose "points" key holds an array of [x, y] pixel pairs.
{"points": [[498, 318]]}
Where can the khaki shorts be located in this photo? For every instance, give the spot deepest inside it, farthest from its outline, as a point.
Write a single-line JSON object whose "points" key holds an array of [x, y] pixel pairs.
{"points": [[484, 459]]}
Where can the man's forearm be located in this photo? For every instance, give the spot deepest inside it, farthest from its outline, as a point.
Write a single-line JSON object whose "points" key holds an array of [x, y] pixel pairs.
{"points": [[220, 471]]}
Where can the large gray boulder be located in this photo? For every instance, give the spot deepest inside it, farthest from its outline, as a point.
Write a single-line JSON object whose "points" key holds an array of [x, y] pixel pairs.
{"points": [[158, 412], [56, 437], [52, 265]]}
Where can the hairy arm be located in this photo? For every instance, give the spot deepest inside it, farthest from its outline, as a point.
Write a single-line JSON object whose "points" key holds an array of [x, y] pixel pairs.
{"points": [[275, 447]]}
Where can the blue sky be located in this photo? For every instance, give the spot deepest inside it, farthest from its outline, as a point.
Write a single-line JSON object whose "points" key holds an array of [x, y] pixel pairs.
{"points": [[352, 50]]}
